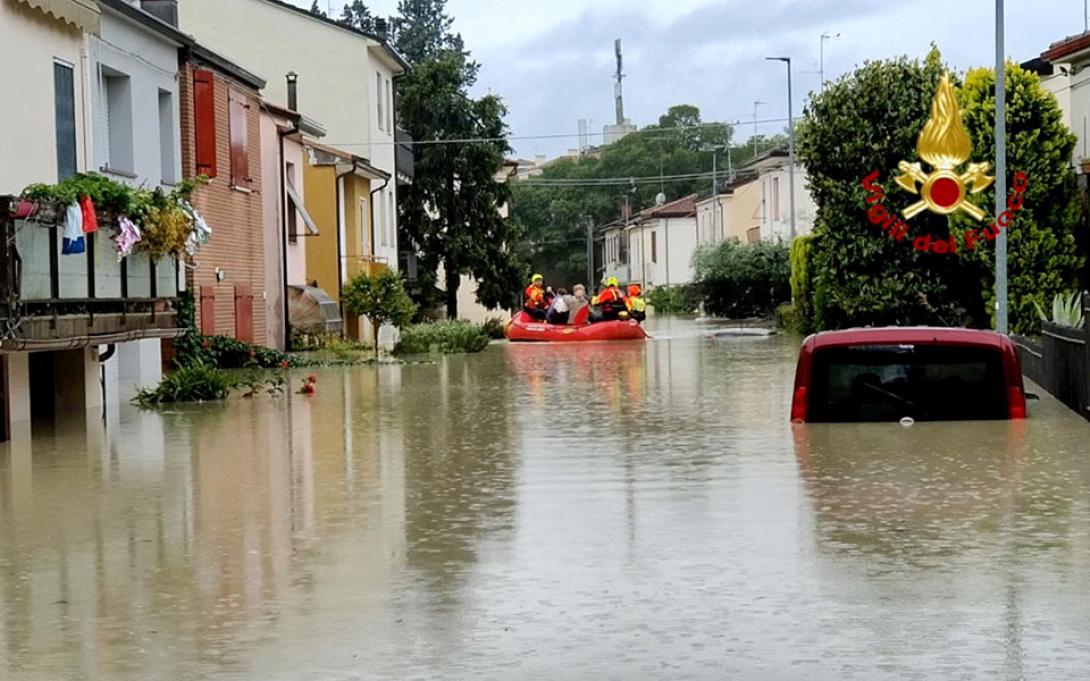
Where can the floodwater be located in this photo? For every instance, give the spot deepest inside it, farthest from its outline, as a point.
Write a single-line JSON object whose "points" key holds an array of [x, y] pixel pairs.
{"points": [[609, 511]]}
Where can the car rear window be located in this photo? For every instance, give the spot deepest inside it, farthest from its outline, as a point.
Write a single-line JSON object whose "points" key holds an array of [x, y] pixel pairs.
{"points": [[924, 382]]}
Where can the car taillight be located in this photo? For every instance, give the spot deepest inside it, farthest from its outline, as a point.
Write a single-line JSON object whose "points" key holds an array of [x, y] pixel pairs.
{"points": [[798, 404], [1016, 403]]}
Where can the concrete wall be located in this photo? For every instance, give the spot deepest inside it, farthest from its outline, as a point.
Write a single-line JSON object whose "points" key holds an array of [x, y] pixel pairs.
{"points": [[744, 211], [776, 216], [150, 63], [237, 245], [674, 243], [337, 74], [31, 41], [320, 197]]}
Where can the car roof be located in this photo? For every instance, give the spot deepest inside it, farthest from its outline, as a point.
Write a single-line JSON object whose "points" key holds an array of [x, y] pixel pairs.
{"points": [[890, 335]]}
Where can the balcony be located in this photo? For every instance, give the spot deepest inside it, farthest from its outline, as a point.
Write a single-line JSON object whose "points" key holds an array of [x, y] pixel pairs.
{"points": [[363, 264], [403, 157], [51, 301]]}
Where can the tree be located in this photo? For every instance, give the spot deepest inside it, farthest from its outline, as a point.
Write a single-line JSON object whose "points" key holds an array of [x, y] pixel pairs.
{"points": [[555, 217], [358, 16], [870, 120], [381, 299], [316, 10], [450, 215]]}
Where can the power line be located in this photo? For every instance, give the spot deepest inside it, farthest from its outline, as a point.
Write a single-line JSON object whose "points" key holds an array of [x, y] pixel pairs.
{"points": [[610, 181], [559, 135]]}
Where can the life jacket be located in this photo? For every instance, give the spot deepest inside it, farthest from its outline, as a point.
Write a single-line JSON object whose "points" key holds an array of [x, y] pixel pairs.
{"points": [[636, 304], [535, 296]]}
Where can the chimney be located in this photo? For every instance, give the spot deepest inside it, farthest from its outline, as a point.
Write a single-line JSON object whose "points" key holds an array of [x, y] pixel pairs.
{"points": [[293, 93], [380, 28], [164, 10]]}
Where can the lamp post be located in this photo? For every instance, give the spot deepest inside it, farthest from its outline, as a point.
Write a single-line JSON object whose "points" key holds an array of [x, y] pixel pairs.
{"points": [[791, 143], [756, 103], [824, 37], [1000, 171]]}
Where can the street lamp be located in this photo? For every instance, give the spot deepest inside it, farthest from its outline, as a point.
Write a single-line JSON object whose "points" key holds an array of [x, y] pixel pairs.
{"points": [[791, 142], [756, 103], [1000, 171], [824, 37]]}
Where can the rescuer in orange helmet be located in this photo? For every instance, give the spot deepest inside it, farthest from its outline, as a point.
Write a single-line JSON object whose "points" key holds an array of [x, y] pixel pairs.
{"points": [[534, 303], [637, 307]]}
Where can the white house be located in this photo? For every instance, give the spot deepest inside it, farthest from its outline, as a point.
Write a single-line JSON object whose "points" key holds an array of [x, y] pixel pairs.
{"points": [[346, 80], [133, 68], [1063, 72], [661, 244]]}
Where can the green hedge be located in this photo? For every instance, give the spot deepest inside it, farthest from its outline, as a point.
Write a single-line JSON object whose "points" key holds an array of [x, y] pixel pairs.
{"points": [[446, 337], [739, 280], [682, 299], [802, 284]]}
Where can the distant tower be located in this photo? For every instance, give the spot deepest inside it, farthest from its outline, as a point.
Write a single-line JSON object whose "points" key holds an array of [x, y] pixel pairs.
{"points": [[584, 144], [617, 90]]}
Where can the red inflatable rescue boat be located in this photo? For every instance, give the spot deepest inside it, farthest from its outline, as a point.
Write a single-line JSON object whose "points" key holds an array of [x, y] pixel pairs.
{"points": [[524, 328]]}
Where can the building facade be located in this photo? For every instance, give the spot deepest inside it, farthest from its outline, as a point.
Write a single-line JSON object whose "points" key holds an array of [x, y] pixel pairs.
{"points": [[221, 133], [347, 83]]}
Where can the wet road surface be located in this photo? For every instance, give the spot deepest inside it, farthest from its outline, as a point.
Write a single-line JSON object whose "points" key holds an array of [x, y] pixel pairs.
{"points": [[607, 511]]}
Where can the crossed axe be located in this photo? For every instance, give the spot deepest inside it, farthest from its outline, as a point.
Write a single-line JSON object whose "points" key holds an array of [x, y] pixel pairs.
{"points": [[975, 177]]}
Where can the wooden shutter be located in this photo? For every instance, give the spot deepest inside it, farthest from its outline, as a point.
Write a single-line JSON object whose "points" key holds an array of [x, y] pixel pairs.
{"points": [[64, 109], [208, 310], [204, 122], [240, 156], [244, 313]]}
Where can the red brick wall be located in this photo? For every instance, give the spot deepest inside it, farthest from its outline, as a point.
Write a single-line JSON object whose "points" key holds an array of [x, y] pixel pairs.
{"points": [[235, 216]]}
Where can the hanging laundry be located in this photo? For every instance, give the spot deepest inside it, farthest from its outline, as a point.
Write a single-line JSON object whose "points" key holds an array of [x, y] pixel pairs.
{"points": [[73, 243], [201, 233], [90, 220], [127, 236]]}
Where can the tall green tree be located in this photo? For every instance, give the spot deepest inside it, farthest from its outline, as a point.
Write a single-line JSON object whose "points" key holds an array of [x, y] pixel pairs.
{"points": [[316, 10], [870, 120], [358, 16], [450, 215]]}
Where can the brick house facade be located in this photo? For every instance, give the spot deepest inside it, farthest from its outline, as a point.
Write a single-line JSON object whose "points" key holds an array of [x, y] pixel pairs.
{"points": [[221, 138]]}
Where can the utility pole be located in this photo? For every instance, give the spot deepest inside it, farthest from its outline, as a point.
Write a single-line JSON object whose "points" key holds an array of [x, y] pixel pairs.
{"points": [[1000, 171], [755, 105], [590, 254], [791, 143]]}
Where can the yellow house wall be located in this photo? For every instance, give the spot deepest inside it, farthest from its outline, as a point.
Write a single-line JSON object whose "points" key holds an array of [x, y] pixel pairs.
{"points": [[320, 197], [743, 210]]}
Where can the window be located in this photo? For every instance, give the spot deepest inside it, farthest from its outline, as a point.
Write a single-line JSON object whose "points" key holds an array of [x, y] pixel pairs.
{"points": [[381, 220], [392, 217], [775, 198], [64, 113], [166, 137], [389, 108], [654, 248], [117, 92], [204, 122], [238, 126], [365, 232], [379, 99]]}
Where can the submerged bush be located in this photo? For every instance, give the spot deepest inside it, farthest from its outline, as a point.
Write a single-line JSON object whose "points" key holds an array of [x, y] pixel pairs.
{"points": [[194, 383], [743, 280], [683, 299], [493, 326], [445, 337]]}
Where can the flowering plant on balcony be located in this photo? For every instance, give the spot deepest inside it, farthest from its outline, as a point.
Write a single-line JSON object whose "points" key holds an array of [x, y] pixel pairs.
{"points": [[168, 224]]}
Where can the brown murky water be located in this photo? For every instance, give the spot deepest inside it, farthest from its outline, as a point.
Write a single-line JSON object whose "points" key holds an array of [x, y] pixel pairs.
{"points": [[547, 512]]}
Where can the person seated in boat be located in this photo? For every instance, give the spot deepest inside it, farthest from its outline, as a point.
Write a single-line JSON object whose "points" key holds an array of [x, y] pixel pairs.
{"points": [[637, 306], [610, 302], [578, 300], [534, 303], [560, 308]]}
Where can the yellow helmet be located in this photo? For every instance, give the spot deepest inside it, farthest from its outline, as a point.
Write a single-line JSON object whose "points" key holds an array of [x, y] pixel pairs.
{"points": [[536, 277], [612, 281]]}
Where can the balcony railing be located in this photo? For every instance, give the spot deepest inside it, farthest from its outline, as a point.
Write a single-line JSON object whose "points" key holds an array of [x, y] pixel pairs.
{"points": [[51, 301], [403, 157], [364, 264]]}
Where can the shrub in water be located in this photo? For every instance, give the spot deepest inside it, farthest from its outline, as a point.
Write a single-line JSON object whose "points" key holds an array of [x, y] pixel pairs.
{"points": [[445, 337], [743, 280], [682, 299], [194, 383], [493, 326]]}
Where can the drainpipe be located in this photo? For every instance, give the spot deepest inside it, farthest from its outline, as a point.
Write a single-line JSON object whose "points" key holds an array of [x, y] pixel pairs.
{"points": [[340, 227], [372, 209], [292, 79], [103, 357]]}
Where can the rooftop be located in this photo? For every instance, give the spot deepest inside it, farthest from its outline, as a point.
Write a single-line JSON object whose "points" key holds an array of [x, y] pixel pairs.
{"points": [[1070, 45]]}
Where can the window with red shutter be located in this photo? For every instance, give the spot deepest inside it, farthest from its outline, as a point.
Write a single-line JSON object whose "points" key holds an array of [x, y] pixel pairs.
{"points": [[204, 122], [240, 153]]}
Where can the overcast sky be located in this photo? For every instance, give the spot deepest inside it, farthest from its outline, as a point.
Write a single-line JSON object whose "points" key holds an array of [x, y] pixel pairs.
{"points": [[552, 61]]}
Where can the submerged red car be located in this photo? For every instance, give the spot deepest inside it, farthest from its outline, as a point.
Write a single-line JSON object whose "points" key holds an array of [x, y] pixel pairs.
{"points": [[923, 373]]}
